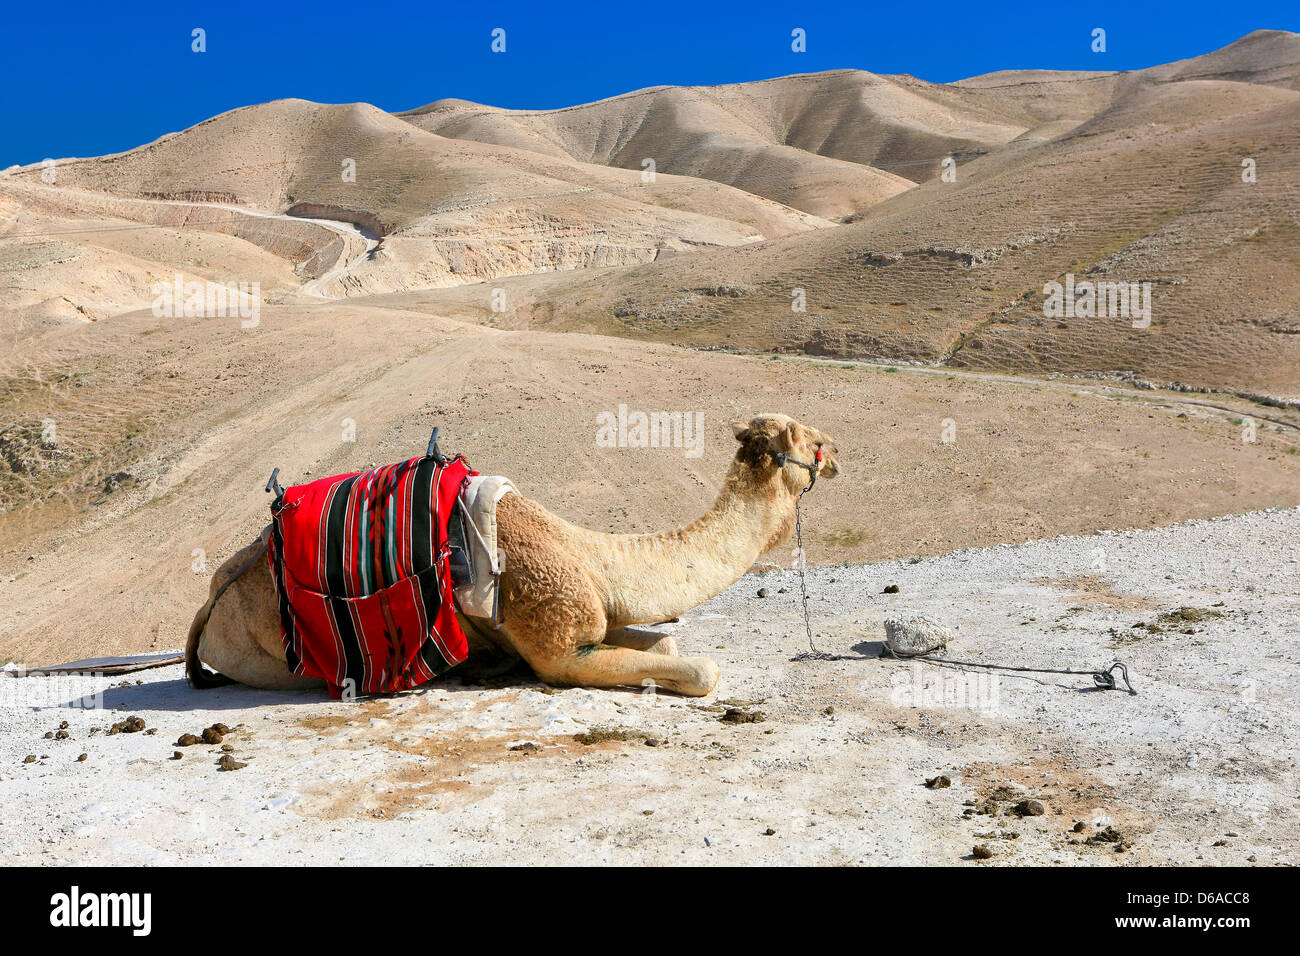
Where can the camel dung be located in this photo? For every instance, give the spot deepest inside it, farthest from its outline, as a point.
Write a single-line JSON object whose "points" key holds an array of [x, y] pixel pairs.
{"points": [[908, 637], [734, 715], [187, 740], [981, 852], [890, 589], [1108, 835], [210, 736], [230, 763], [132, 725], [1029, 808], [83, 757], [940, 782], [599, 735]]}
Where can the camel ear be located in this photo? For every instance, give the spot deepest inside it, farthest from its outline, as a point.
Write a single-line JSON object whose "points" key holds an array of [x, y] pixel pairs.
{"points": [[740, 430], [786, 440]]}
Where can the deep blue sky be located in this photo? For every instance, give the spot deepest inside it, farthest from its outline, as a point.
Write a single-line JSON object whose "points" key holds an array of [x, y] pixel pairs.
{"points": [[84, 78]]}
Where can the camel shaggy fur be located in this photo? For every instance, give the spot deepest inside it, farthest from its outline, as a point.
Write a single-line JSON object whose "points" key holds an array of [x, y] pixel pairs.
{"points": [[570, 596]]}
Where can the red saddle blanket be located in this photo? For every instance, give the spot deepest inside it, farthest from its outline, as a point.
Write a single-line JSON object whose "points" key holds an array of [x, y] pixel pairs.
{"points": [[362, 568]]}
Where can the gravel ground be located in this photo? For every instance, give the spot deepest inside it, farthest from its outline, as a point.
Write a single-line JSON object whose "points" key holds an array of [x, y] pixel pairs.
{"points": [[787, 762]]}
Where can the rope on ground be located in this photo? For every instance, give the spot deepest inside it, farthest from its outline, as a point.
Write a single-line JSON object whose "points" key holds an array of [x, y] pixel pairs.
{"points": [[1102, 679]]}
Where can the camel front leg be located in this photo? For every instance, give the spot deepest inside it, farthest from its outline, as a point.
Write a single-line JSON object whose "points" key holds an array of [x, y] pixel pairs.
{"points": [[604, 665]]}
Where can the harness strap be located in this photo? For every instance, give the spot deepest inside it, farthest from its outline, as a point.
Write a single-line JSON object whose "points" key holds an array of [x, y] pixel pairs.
{"points": [[782, 459]]}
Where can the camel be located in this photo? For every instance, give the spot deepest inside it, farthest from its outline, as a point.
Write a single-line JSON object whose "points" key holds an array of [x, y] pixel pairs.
{"points": [[571, 597]]}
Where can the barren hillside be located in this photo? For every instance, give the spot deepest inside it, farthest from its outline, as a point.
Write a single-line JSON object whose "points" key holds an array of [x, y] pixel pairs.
{"points": [[1149, 189]]}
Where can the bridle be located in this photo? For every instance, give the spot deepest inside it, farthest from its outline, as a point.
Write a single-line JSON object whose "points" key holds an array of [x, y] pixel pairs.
{"points": [[782, 459]]}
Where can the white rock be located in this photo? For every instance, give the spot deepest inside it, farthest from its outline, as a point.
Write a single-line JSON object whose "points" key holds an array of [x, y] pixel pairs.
{"points": [[915, 635]]}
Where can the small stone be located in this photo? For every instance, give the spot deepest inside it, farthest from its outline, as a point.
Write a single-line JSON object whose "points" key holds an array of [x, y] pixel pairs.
{"points": [[1079, 826], [940, 782], [82, 758], [828, 711], [49, 735], [1029, 808], [762, 592], [63, 725], [981, 851], [30, 758], [769, 832], [226, 748], [647, 813], [526, 748], [61, 735]]}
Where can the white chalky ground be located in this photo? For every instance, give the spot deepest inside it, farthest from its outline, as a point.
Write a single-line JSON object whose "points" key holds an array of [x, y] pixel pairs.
{"points": [[835, 770]]}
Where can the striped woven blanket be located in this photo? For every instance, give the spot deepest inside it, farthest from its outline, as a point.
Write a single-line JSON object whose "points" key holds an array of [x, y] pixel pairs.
{"points": [[362, 567]]}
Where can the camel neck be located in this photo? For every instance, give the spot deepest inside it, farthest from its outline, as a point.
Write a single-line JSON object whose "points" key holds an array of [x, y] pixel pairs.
{"points": [[659, 576]]}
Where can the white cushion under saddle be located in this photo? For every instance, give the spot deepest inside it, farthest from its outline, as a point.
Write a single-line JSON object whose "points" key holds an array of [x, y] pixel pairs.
{"points": [[479, 498]]}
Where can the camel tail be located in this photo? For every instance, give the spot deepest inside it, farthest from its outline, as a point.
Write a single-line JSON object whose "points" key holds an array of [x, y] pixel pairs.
{"points": [[200, 677]]}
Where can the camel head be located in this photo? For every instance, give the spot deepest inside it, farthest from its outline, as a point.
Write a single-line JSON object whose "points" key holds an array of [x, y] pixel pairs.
{"points": [[768, 440]]}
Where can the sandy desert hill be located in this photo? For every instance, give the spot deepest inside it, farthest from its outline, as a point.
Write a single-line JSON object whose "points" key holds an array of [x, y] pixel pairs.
{"points": [[376, 308], [1128, 177]]}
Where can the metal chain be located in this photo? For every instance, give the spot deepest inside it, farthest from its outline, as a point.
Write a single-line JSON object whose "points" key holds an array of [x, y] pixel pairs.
{"points": [[812, 654]]}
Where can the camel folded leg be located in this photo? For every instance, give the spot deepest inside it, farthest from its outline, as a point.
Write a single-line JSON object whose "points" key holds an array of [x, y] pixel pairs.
{"points": [[241, 638], [238, 656], [640, 639], [604, 665]]}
